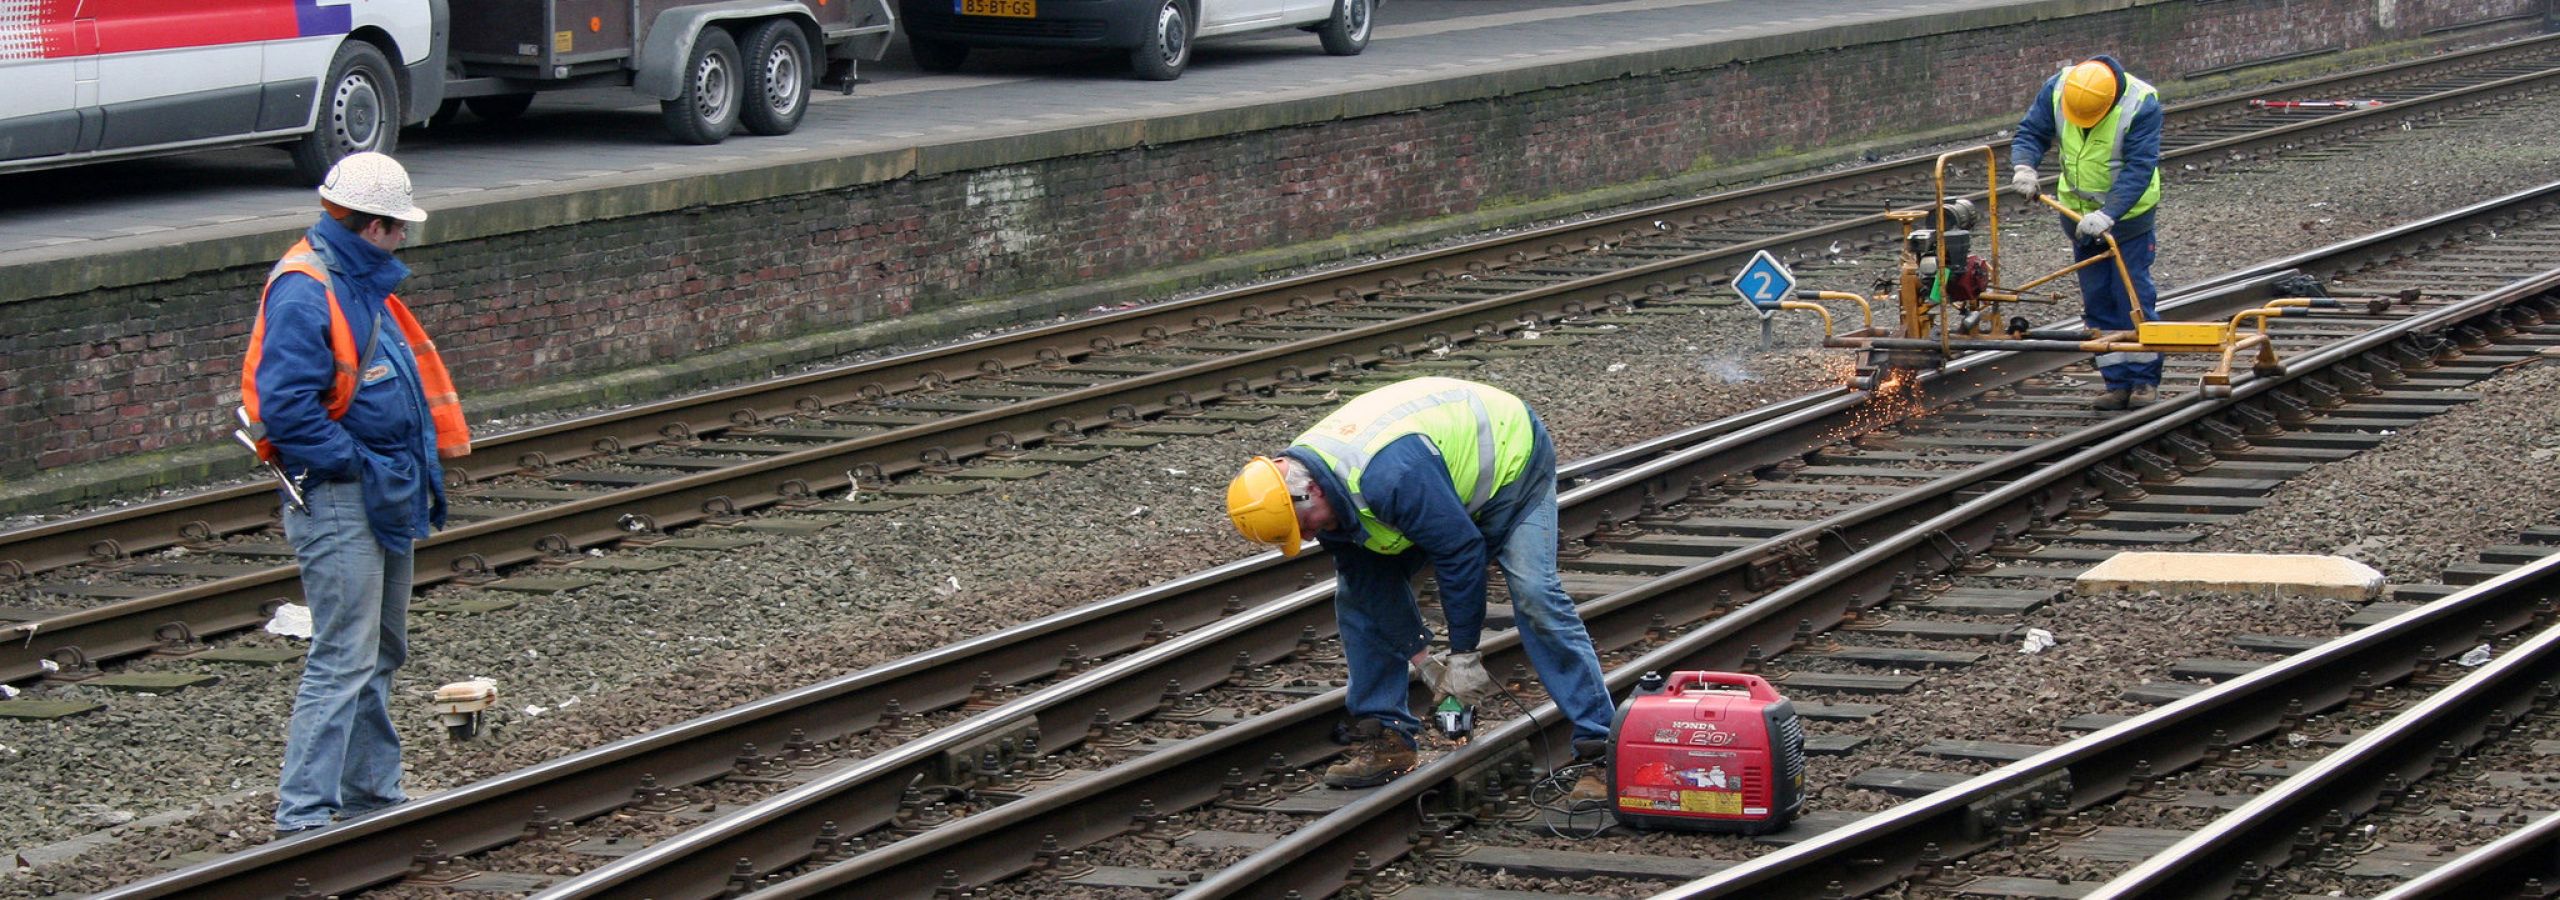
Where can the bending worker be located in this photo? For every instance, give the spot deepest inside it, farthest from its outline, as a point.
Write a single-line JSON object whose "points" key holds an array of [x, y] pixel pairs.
{"points": [[357, 408], [2108, 136], [1456, 474]]}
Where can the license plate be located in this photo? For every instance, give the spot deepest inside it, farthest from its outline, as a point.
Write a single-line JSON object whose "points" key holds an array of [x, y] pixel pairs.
{"points": [[1017, 9]]}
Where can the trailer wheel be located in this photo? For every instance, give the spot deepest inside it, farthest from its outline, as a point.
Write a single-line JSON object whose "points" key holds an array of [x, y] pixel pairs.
{"points": [[777, 77], [359, 112], [706, 109], [500, 107]]}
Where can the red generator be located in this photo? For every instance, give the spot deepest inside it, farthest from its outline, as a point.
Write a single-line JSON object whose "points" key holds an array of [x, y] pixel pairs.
{"points": [[1707, 751]]}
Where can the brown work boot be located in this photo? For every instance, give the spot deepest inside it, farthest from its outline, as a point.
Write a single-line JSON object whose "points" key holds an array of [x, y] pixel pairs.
{"points": [[2141, 396], [2113, 399], [1376, 756], [1592, 789]]}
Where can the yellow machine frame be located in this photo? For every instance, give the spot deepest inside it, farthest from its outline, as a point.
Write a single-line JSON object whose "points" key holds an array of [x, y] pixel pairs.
{"points": [[1932, 331]]}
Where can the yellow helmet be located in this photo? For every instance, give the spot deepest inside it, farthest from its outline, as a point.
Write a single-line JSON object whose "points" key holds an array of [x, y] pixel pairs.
{"points": [[1258, 501], [2087, 93]]}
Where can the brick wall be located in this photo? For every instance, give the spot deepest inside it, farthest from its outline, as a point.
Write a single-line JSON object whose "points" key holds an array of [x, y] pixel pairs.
{"points": [[104, 373]]}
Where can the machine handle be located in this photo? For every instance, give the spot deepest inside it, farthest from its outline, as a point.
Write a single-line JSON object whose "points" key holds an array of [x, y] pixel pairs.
{"points": [[1758, 686]]}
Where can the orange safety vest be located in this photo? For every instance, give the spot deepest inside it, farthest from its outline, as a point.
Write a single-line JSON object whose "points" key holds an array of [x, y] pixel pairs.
{"points": [[453, 433]]}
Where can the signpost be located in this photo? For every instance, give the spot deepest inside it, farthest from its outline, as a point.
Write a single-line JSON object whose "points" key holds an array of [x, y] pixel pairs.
{"points": [[1764, 282]]}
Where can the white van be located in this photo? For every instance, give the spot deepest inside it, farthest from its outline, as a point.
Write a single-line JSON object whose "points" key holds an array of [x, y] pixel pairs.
{"points": [[98, 79], [1156, 33]]}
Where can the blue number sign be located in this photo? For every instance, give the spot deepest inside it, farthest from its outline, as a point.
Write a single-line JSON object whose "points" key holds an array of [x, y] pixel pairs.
{"points": [[1764, 281]]}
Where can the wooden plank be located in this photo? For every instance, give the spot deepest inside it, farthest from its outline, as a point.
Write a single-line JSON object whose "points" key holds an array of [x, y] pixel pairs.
{"points": [[526, 494], [46, 709], [623, 564], [2375, 614], [612, 479], [1227, 840], [197, 569]]}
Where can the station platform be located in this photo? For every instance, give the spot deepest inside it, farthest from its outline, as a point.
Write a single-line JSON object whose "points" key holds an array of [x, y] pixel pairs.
{"points": [[576, 256]]}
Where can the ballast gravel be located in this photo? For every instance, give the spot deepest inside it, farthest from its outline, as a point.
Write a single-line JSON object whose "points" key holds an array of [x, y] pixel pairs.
{"points": [[643, 651]]}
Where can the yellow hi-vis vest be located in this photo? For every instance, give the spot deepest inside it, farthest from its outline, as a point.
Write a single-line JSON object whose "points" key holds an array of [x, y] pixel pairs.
{"points": [[2089, 167], [1482, 433]]}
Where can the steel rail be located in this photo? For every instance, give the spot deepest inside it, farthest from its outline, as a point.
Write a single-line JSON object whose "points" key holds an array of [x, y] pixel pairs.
{"points": [[1096, 807], [489, 813], [2264, 832], [135, 626], [373, 841], [2098, 767], [2527, 854], [1316, 859], [199, 516]]}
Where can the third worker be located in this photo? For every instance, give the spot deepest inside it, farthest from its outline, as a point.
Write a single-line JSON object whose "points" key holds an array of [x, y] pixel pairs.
{"points": [[2105, 125]]}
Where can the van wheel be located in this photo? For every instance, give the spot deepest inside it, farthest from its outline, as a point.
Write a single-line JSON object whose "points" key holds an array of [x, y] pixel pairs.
{"points": [[1347, 33], [777, 77], [937, 55], [1168, 45], [706, 108], [359, 112], [500, 107]]}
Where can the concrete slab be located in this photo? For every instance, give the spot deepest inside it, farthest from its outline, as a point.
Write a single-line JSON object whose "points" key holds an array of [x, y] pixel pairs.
{"points": [[2278, 574]]}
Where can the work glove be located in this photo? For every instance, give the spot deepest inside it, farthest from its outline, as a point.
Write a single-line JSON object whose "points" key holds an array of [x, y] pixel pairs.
{"points": [[2095, 225], [1459, 675], [2022, 180]]}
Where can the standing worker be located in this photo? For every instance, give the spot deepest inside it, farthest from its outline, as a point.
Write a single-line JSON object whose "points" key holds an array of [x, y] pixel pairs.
{"points": [[2109, 140], [1465, 474], [356, 407]]}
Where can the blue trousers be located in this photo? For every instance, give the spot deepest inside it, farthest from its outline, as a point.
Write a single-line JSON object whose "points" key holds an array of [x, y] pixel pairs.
{"points": [[2103, 304], [1382, 627], [341, 757]]}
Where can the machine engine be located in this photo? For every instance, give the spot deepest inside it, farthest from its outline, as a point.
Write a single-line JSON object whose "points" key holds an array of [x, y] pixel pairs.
{"points": [[1707, 751]]}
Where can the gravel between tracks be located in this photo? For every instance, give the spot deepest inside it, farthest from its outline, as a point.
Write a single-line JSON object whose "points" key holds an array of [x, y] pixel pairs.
{"points": [[645, 651]]}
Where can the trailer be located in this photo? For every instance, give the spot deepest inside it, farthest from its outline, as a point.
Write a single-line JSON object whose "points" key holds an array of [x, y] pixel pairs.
{"points": [[713, 67]]}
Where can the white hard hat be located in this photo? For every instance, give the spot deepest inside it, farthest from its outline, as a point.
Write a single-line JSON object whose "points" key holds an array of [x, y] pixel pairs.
{"points": [[374, 183]]}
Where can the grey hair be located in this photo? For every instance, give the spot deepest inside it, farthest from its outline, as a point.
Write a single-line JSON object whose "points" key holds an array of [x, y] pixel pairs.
{"points": [[1301, 484]]}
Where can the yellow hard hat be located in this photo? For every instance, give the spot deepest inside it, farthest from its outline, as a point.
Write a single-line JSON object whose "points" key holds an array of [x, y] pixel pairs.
{"points": [[1258, 501], [2088, 92]]}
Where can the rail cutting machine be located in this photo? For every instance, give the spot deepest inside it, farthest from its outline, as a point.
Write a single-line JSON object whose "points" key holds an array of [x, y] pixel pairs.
{"points": [[1952, 300]]}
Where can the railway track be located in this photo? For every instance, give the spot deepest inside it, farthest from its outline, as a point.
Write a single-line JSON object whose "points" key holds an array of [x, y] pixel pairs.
{"points": [[160, 578], [1042, 758], [2018, 514]]}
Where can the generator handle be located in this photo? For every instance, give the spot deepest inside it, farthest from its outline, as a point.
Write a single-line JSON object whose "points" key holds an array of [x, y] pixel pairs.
{"points": [[1758, 686]]}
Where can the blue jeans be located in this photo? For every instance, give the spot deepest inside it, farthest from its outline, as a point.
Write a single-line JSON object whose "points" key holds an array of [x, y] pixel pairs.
{"points": [[341, 757], [1382, 628], [2103, 305]]}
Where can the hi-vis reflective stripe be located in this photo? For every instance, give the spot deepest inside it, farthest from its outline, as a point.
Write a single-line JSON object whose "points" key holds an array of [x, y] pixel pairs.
{"points": [[1352, 455], [2126, 359]]}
